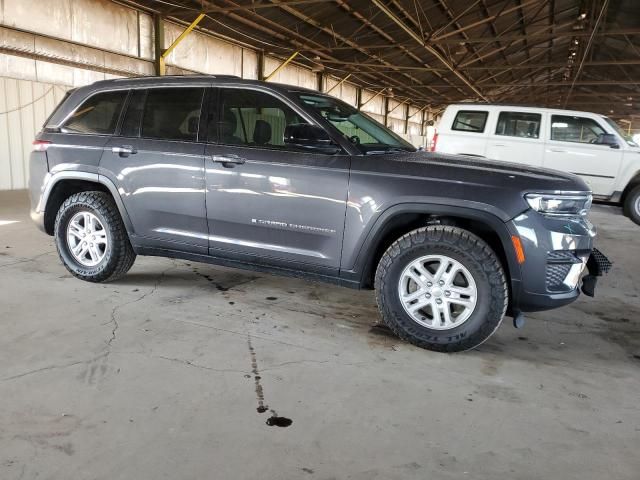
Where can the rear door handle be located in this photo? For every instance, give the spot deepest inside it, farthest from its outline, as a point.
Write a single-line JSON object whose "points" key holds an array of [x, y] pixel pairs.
{"points": [[124, 150], [558, 150], [228, 161], [498, 144]]}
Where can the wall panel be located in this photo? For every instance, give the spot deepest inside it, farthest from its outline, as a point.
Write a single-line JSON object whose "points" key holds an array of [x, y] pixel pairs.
{"points": [[24, 106]]}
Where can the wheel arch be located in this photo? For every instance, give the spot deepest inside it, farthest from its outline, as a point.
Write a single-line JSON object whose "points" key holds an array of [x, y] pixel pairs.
{"points": [[401, 219], [65, 184], [631, 184]]}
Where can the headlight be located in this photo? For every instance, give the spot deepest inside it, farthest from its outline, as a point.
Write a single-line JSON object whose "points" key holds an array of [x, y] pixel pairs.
{"points": [[559, 204]]}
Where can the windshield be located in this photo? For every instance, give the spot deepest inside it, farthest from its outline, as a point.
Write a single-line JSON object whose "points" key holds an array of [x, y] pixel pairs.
{"points": [[620, 132], [362, 131]]}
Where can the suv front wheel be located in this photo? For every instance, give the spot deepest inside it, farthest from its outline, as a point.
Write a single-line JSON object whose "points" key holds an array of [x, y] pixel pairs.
{"points": [[91, 238], [441, 288]]}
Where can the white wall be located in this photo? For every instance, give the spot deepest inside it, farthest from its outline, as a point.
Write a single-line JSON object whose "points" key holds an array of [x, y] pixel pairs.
{"points": [[24, 106]]}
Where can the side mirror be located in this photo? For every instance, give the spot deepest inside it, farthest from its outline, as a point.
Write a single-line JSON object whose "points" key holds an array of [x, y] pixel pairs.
{"points": [[309, 137], [608, 139]]}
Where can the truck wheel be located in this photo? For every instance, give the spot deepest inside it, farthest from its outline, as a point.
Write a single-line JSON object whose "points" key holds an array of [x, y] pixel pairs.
{"points": [[632, 205], [91, 238], [441, 288]]}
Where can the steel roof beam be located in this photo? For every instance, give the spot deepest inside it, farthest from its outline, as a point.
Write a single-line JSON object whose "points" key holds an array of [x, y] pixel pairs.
{"points": [[429, 48]]}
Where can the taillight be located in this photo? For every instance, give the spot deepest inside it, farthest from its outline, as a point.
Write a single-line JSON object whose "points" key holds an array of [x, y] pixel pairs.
{"points": [[433, 142], [40, 145]]}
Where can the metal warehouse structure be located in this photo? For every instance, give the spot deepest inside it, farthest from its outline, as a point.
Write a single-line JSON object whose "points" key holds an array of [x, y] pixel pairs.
{"points": [[401, 61]]}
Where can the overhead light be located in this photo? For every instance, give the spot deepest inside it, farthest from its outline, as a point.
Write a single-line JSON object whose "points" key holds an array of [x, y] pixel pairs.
{"points": [[582, 16], [610, 111]]}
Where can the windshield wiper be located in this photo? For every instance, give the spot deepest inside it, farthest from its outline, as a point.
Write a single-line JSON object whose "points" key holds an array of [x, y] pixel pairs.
{"points": [[388, 149]]}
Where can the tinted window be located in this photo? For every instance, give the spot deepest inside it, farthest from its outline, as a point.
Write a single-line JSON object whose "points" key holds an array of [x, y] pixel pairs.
{"points": [[470, 121], [249, 117], [575, 129], [133, 115], [172, 113], [97, 115], [516, 124]]}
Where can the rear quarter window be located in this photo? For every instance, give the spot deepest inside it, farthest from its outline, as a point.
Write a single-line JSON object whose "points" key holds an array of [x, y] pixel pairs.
{"points": [[98, 115], [470, 121]]}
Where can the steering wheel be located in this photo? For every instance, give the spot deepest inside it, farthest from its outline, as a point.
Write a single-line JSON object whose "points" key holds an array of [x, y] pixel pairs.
{"points": [[354, 139]]}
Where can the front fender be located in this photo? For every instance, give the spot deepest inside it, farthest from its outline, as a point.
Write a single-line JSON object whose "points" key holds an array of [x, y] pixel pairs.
{"points": [[367, 245]]}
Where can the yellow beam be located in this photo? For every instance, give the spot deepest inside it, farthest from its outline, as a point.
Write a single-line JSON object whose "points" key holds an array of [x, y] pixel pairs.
{"points": [[338, 84], [375, 96], [175, 43], [281, 66]]}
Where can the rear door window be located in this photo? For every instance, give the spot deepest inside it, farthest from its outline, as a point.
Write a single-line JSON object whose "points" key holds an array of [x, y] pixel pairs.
{"points": [[172, 113], [565, 128], [98, 115], [519, 124], [470, 121]]}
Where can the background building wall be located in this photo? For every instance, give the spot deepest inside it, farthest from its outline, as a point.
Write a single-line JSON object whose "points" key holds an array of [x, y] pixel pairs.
{"points": [[48, 47]]}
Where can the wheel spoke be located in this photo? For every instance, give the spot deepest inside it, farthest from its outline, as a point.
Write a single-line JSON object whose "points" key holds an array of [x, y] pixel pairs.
{"points": [[423, 272], [421, 283], [446, 313], [442, 268], [410, 297], [449, 276], [420, 304], [100, 238], [457, 291], [466, 302], [77, 249]]}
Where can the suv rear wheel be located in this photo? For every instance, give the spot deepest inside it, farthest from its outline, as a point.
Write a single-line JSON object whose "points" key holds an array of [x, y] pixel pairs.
{"points": [[441, 288], [632, 205], [91, 238]]}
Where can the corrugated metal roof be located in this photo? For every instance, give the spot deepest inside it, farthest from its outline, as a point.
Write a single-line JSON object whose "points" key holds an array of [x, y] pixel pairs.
{"points": [[442, 51]]}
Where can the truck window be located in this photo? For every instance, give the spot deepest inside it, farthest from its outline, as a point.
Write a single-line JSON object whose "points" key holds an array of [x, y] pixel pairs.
{"points": [[567, 128], [97, 115], [470, 121], [519, 124]]}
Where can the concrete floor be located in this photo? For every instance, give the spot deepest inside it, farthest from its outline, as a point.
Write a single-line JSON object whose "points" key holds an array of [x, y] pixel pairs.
{"points": [[152, 377]]}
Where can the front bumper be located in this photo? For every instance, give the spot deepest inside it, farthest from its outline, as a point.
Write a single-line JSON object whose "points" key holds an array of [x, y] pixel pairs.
{"points": [[557, 252]]}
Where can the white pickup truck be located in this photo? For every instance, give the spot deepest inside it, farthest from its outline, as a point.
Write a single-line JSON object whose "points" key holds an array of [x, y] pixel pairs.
{"points": [[589, 145]]}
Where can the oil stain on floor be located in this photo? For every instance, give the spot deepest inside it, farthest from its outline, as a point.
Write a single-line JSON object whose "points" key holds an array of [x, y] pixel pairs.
{"points": [[274, 420]]}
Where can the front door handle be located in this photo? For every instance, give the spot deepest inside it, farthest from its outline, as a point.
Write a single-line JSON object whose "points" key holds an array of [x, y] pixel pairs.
{"points": [[228, 161], [558, 150], [124, 150]]}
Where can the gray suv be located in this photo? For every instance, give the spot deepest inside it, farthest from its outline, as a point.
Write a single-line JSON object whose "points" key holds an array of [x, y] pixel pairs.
{"points": [[282, 179]]}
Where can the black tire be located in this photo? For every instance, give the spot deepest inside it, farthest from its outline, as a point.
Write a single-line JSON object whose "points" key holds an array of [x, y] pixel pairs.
{"points": [[119, 254], [475, 255], [632, 205]]}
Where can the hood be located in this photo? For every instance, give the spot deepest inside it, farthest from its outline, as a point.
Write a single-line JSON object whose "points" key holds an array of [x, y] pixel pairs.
{"points": [[482, 171], [494, 186]]}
